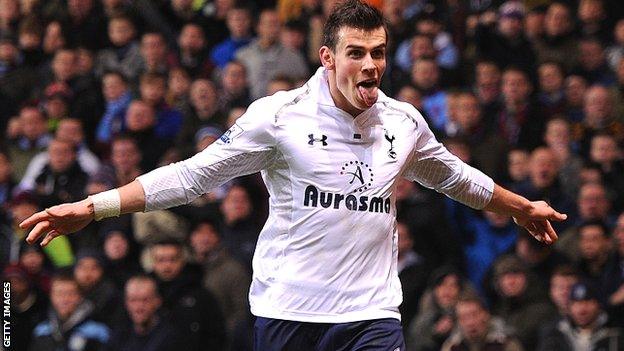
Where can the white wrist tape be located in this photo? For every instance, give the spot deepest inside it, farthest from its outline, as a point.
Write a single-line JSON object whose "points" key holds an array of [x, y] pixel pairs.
{"points": [[106, 204]]}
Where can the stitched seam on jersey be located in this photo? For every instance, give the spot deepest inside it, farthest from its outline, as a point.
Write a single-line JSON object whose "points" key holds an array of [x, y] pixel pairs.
{"points": [[450, 168], [290, 209], [293, 101], [394, 108], [221, 177]]}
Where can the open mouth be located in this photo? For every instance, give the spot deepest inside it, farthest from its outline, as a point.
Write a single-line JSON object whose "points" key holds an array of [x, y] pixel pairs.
{"points": [[369, 83], [368, 91]]}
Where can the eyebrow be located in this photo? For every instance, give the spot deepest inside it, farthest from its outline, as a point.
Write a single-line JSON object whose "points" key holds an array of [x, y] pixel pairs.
{"points": [[381, 46]]}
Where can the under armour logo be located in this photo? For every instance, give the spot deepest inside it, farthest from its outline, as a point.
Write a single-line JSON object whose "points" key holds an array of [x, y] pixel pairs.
{"points": [[322, 139], [391, 152]]}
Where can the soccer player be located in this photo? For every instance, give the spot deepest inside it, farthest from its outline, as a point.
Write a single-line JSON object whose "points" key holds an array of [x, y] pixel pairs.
{"points": [[330, 153]]}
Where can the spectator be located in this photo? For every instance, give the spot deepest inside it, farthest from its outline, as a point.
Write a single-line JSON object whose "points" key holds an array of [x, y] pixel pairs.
{"points": [[153, 88], [32, 139], [202, 109], [520, 302], [575, 88], [148, 331], [178, 86], [592, 16], [234, 90], [585, 328], [615, 52], [62, 179], [97, 288], [279, 83], [615, 288], [562, 280], [593, 63], [7, 182], [124, 55], [85, 23], [485, 236], [28, 306], [225, 277], [120, 262], [539, 259], [117, 96], [238, 22], [550, 93], [518, 166], [69, 129], [68, 326], [124, 166], [558, 42], [436, 316], [592, 205], [503, 41], [594, 248], [141, 125], [240, 232], [487, 87], [37, 266], [155, 53], [488, 149], [265, 57], [558, 138], [518, 120], [477, 329], [605, 152], [425, 75], [543, 182], [424, 211], [616, 90], [192, 54], [195, 313], [598, 117], [412, 270]]}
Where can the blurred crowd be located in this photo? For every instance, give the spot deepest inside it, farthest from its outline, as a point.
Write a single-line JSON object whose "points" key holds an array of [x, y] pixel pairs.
{"points": [[94, 93]]}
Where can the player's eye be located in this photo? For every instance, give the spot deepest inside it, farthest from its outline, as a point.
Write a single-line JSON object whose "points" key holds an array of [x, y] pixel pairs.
{"points": [[355, 53], [377, 54]]}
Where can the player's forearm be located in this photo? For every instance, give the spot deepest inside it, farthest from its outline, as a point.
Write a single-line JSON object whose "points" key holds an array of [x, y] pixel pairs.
{"points": [[126, 199], [132, 197], [508, 203]]}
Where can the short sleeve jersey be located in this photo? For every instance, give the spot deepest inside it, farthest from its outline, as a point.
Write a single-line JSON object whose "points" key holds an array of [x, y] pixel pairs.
{"points": [[328, 251]]}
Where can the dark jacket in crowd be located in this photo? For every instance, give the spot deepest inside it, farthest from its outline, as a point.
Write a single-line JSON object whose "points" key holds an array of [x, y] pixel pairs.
{"points": [[193, 311], [77, 333], [54, 188], [162, 337], [25, 317], [564, 336]]}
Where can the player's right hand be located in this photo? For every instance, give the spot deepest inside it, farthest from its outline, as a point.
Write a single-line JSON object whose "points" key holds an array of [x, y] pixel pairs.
{"points": [[58, 220]]}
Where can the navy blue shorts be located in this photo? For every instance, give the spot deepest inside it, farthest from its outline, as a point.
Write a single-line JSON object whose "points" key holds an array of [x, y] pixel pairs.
{"points": [[373, 335]]}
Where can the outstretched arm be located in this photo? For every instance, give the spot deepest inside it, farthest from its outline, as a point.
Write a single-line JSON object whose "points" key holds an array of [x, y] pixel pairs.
{"points": [[534, 216], [72, 217]]}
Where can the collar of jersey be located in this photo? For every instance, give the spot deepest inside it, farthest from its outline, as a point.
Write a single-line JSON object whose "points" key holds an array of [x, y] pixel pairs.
{"points": [[320, 83]]}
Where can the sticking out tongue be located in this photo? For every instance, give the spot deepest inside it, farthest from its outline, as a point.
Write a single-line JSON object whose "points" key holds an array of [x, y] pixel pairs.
{"points": [[369, 94]]}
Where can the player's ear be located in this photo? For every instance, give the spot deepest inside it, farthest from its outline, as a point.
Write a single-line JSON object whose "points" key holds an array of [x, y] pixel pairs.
{"points": [[327, 58]]}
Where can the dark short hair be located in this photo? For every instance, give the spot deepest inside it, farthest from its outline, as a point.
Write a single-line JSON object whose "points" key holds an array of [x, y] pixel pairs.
{"points": [[596, 223], [354, 14]]}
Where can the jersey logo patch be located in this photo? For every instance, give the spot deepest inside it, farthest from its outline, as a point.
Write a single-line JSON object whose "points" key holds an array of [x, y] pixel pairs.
{"points": [[390, 138], [359, 173], [231, 133], [313, 139]]}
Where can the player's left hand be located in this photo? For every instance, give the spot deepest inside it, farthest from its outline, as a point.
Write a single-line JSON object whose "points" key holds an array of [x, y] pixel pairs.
{"points": [[537, 221]]}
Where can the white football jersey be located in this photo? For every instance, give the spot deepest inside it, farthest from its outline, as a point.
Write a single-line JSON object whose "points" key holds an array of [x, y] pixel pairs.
{"points": [[328, 251]]}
